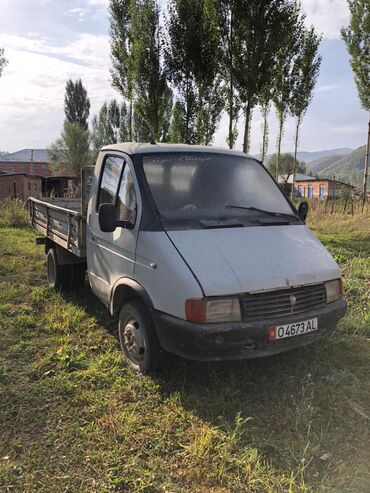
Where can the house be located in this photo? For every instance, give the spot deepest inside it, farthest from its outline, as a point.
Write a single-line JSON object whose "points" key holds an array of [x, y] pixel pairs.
{"points": [[20, 186], [310, 187], [29, 161]]}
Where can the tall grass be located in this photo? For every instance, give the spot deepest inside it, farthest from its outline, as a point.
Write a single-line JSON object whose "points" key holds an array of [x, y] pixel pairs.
{"points": [[335, 216], [13, 214]]}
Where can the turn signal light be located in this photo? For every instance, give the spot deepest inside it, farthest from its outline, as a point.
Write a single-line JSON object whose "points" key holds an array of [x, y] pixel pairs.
{"points": [[205, 310]]}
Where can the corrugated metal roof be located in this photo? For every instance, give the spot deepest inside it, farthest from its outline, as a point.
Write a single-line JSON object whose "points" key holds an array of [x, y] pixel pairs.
{"points": [[26, 156]]}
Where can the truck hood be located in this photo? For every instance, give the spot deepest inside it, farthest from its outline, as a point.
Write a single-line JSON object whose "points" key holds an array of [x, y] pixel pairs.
{"points": [[254, 259]]}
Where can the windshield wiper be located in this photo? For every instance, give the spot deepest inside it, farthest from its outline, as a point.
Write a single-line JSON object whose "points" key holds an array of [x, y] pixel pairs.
{"points": [[256, 209]]}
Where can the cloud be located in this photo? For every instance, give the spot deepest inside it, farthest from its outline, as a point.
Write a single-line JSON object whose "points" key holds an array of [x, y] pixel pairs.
{"points": [[32, 87], [328, 16], [328, 88], [353, 129]]}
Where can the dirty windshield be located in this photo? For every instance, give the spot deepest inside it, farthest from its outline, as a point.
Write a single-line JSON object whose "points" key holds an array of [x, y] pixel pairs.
{"points": [[201, 187]]}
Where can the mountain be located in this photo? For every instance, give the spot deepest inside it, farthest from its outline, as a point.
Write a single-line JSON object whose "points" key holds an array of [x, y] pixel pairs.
{"points": [[322, 163], [347, 168], [309, 157]]}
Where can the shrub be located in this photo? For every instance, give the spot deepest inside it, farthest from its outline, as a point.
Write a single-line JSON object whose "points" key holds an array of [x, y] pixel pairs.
{"points": [[13, 214]]}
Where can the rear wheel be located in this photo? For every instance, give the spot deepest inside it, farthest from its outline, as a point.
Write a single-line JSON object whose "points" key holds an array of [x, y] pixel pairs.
{"points": [[138, 338], [64, 277], [58, 277]]}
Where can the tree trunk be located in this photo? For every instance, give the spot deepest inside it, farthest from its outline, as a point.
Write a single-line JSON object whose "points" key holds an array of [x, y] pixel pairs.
{"points": [[295, 156], [366, 171], [280, 137], [265, 132], [231, 113], [130, 132], [231, 89], [248, 114], [187, 122]]}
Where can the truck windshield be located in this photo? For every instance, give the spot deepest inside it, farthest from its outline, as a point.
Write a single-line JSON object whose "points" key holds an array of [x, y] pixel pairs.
{"points": [[209, 186]]}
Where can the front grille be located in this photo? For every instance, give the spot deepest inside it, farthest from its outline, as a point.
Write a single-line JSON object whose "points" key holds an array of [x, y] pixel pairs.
{"points": [[274, 304]]}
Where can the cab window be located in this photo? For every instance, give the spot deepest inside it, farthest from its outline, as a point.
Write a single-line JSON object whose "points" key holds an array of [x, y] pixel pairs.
{"points": [[112, 169], [126, 202]]}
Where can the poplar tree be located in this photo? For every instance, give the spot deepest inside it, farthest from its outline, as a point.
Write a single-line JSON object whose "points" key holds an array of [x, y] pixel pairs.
{"points": [[357, 39], [121, 53], [305, 73], [76, 104], [192, 56], [228, 47], [284, 80], [259, 31], [71, 148], [264, 101], [110, 125], [153, 97], [3, 60]]}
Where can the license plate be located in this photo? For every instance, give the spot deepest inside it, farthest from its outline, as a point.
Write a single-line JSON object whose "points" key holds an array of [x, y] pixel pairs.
{"points": [[291, 330]]}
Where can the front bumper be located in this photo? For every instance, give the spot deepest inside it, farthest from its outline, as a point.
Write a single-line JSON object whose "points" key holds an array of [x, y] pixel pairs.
{"points": [[239, 340]]}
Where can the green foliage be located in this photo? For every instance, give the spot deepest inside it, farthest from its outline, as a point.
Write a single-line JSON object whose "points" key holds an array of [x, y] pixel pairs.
{"points": [[357, 39], [76, 104], [122, 71], [285, 76], [3, 60], [71, 148], [192, 56], [226, 13], [110, 125], [260, 27], [305, 72], [286, 165], [177, 128], [153, 97], [13, 214]]}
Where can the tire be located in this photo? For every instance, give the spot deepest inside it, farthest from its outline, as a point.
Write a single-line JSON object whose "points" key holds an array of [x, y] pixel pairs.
{"points": [[139, 340], [58, 275]]}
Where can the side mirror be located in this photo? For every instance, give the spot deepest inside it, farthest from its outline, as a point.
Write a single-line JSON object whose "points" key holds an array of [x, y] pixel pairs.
{"points": [[107, 218], [303, 210]]}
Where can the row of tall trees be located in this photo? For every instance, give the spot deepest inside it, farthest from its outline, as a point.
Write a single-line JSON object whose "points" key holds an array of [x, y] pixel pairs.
{"points": [[357, 39], [177, 76]]}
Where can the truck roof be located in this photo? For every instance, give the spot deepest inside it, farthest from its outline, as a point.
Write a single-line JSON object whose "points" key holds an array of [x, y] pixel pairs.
{"points": [[138, 148]]}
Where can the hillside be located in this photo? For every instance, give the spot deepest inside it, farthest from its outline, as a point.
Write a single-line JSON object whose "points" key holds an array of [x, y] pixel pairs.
{"points": [[309, 157], [348, 168], [324, 162]]}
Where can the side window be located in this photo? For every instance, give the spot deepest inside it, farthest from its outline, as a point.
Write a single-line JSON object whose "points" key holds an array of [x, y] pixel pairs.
{"points": [[126, 203], [112, 169]]}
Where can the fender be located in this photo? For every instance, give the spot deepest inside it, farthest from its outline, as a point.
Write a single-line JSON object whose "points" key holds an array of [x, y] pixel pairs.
{"points": [[131, 289]]}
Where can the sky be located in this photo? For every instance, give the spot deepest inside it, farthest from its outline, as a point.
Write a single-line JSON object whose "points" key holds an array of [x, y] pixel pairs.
{"points": [[48, 42]]}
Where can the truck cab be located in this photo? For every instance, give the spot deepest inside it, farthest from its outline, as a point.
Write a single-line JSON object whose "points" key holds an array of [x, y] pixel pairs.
{"points": [[199, 253]]}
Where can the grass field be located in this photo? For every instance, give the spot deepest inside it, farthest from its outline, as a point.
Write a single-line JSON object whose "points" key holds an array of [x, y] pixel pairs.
{"points": [[75, 418]]}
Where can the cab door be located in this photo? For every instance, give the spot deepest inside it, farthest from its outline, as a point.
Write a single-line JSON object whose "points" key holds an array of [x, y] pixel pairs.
{"points": [[111, 256]]}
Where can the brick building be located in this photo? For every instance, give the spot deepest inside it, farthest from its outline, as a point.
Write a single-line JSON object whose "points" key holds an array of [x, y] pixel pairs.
{"points": [[20, 186], [309, 187], [29, 161]]}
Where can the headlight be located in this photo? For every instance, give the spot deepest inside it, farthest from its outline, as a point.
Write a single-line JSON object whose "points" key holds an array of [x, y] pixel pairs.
{"points": [[213, 310], [334, 290]]}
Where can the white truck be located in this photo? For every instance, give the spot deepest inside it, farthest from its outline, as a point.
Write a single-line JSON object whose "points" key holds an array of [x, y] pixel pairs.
{"points": [[197, 251]]}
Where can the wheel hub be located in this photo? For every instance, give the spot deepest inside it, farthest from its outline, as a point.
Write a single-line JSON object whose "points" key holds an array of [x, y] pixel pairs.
{"points": [[134, 341]]}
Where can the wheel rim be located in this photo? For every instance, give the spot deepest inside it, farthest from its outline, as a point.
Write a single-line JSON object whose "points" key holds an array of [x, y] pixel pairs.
{"points": [[133, 341], [51, 270]]}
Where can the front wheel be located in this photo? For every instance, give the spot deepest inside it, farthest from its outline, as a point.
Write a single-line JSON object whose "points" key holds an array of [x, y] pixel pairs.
{"points": [[138, 338]]}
